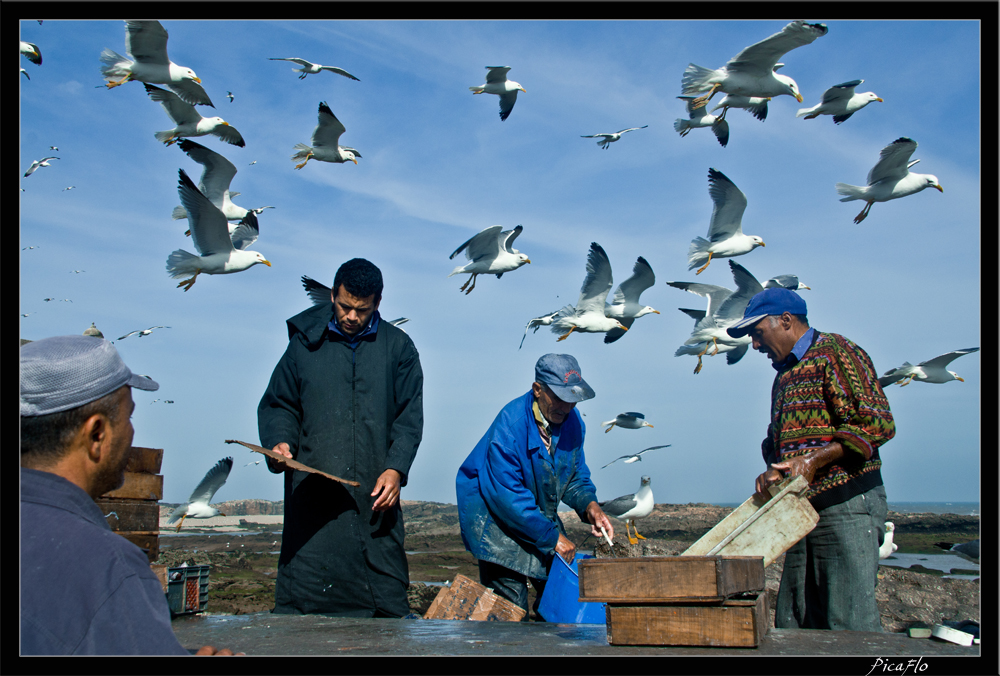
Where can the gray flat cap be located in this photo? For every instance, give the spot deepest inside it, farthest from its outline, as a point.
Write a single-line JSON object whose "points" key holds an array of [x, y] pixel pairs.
{"points": [[66, 372]]}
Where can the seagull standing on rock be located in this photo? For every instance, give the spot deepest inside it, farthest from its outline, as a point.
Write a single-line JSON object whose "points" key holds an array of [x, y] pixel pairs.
{"points": [[628, 508], [888, 546]]}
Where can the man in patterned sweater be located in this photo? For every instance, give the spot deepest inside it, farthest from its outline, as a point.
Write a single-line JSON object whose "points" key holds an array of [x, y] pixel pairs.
{"points": [[829, 417]]}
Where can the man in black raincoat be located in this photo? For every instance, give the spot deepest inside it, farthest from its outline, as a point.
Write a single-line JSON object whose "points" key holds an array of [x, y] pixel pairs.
{"points": [[345, 398]]}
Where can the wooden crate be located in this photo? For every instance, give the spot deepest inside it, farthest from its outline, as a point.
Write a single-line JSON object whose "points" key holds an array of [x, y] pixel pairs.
{"points": [[133, 510], [669, 579], [469, 600], [737, 623], [762, 528]]}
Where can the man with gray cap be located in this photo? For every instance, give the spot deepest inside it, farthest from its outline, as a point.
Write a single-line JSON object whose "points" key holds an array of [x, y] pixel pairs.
{"points": [[829, 417], [85, 590], [509, 487]]}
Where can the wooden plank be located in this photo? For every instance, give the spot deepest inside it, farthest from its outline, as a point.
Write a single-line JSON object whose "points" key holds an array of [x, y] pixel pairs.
{"points": [[766, 529], [469, 600], [160, 571], [736, 624], [130, 515], [139, 486], [669, 579], [148, 542], [146, 460]]}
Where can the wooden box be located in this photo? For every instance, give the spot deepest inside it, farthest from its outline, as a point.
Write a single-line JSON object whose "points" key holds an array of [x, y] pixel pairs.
{"points": [[669, 579], [759, 527], [133, 510], [737, 623], [469, 600]]}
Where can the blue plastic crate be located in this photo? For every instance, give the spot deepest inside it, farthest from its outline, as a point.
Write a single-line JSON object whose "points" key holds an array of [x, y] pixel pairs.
{"points": [[187, 589]]}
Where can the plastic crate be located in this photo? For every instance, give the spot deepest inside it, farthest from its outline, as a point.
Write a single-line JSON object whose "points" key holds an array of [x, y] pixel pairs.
{"points": [[187, 589]]}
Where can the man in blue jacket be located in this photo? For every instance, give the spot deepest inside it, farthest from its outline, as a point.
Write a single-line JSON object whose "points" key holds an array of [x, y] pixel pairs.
{"points": [[509, 487]]}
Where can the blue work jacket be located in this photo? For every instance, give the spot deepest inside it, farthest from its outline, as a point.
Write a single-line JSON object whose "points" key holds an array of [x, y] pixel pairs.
{"points": [[509, 488]]}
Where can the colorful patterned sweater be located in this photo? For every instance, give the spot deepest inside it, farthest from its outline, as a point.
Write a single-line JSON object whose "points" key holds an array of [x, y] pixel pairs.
{"points": [[831, 394]]}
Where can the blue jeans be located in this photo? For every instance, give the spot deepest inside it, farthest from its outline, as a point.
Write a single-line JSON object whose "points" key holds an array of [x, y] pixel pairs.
{"points": [[829, 576], [511, 585]]}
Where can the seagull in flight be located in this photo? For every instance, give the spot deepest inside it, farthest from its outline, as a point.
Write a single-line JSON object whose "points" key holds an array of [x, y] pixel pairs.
{"points": [[607, 139], [635, 457], [588, 315], [930, 371], [628, 421], [143, 332], [537, 323], [197, 506], [309, 68], [229, 95], [490, 252], [497, 83], [326, 142], [44, 162]]}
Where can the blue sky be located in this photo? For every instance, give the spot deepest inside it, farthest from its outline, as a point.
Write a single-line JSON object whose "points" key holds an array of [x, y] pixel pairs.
{"points": [[438, 165]]}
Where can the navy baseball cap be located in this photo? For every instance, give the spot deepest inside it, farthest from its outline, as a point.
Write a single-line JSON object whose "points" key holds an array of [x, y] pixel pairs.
{"points": [[66, 372], [773, 301], [561, 372]]}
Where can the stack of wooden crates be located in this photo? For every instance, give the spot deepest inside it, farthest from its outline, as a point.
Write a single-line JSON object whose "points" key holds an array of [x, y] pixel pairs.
{"points": [[712, 595], [133, 511]]}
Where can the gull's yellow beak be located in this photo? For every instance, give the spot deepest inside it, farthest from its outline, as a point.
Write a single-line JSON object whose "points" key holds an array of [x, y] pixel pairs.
{"points": [[528, 260], [879, 99], [198, 80], [268, 264], [939, 188], [523, 90], [656, 311], [762, 243], [226, 123], [798, 97]]}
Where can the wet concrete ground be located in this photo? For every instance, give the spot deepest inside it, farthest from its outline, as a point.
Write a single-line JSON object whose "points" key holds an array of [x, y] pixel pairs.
{"points": [[268, 634]]}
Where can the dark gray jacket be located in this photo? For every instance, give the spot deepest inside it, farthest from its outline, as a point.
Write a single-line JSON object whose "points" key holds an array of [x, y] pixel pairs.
{"points": [[352, 409]]}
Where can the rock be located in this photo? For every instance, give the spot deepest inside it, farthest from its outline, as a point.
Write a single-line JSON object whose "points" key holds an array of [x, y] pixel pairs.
{"points": [[420, 596]]}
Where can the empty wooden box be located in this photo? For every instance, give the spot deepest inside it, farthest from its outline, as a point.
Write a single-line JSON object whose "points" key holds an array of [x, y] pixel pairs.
{"points": [[762, 528], [669, 579]]}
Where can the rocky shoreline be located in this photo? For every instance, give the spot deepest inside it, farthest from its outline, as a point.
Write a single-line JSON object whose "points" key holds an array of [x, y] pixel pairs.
{"points": [[244, 562]]}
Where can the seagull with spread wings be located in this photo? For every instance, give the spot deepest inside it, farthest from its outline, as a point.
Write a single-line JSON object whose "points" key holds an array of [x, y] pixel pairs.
{"points": [[625, 305], [607, 139], [840, 101], [189, 121], [309, 68], [222, 253], [143, 332], [890, 178], [725, 230], [752, 71], [218, 173], [326, 142], [197, 506], [537, 323], [635, 457], [755, 105], [497, 83], [44, 162], [930, 371], [587, 316], [146, 41], [490, 252]]}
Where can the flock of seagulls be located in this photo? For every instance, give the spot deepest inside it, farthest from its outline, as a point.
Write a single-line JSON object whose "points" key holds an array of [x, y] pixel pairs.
{"points": [[223, 231]]}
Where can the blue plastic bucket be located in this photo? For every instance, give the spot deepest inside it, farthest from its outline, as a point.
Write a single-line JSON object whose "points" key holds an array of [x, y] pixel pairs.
{"points": [[560, 599]]}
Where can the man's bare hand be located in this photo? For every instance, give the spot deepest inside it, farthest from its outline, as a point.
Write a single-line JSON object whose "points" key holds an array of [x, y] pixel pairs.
{"points": [[565, 548], [598, 518], [281, 449], [388, 486], [769, 477]]}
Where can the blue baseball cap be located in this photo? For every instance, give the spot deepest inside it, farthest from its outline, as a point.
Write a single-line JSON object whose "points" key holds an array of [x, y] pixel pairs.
{"points": [[773, 301], [66, 372], [561, 372]]}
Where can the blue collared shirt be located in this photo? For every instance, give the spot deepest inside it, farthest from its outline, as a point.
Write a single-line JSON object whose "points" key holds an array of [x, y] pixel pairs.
{"points": [[799, 349], [353, 340]]}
